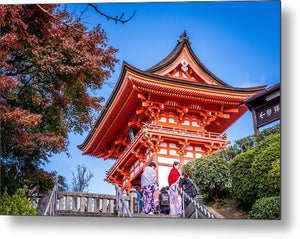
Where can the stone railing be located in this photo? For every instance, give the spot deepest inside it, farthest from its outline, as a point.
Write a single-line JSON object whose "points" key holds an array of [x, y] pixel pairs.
{"points": [[76, 203]]}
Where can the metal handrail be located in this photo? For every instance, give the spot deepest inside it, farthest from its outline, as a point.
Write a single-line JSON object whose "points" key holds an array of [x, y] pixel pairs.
{"points": [[119, 196], [198, 205]]}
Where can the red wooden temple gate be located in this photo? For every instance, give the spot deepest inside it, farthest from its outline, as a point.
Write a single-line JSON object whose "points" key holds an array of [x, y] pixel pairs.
{"points": [[175, 111]]}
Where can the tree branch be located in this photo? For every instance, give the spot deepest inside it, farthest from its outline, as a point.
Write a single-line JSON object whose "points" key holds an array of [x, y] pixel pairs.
{"points": [[62, 22], [116, 19]]}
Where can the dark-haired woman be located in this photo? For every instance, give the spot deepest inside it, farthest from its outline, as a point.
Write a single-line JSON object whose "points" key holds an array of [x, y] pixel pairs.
{"points": [[175, 197], [149, 186]]}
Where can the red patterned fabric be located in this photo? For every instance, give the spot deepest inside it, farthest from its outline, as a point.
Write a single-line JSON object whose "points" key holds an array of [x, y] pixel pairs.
{"points": [[173, 176]]}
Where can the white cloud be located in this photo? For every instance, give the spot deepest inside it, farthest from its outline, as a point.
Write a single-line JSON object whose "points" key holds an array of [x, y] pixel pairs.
{"points": [[252, 81]]}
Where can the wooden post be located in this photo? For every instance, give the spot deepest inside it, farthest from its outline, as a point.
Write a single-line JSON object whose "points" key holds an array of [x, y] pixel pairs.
{"points": [[155, 160], [254, 120]]}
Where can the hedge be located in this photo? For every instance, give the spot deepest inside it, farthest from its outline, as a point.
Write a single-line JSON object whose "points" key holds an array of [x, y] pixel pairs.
{"points": [[266, 208]]}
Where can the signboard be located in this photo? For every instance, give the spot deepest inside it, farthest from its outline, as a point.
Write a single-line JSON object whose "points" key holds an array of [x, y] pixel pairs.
{"points": [[268, 113]]}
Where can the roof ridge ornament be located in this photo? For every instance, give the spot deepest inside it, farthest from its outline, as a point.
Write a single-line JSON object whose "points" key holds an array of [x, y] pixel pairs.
{"points": [[183, 37]]}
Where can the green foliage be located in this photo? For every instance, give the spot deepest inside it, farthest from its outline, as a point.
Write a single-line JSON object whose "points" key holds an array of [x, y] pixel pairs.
{"points": [[254, 164], [246, 143], [230, 152], [29, 176], [17, 204], [266, 132], [274, 177], [62, 184], [242, 187], [211, 174], [266, 208], [266, 167], [188, 168]]}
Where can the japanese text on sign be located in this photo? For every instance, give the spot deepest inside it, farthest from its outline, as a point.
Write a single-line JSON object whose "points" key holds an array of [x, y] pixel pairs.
{"points": [[268, 113]]}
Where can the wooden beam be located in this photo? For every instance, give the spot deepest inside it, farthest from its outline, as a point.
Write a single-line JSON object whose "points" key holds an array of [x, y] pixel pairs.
{"points": [[140, 111], [231, 110], [217, 123], [145, 104], [107, 156], [225, 116], [132, 123], [142, 97], [119, 141], [101, 154]]}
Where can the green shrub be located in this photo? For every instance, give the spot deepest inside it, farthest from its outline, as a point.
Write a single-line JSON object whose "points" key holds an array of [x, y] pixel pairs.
{"points": [[242, 188], [207, 197], [188, 168], [266, 132], [211, 174], [266, 208], [266, 167], [274, 177], [17, 204]]}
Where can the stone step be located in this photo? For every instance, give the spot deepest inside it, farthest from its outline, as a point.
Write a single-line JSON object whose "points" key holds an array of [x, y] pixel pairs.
{"points": [[83, 214], [154, 216]]}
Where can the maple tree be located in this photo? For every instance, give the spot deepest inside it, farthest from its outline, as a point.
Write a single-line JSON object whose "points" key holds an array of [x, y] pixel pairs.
{"points": [[50, 62]]}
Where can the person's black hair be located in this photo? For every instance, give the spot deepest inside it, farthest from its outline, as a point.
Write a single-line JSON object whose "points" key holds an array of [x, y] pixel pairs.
{"points": [[152, 164], [175, 163]]}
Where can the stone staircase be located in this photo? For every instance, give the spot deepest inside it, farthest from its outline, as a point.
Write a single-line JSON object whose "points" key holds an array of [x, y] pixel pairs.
{"points": [[197, 210], [76, 204]]}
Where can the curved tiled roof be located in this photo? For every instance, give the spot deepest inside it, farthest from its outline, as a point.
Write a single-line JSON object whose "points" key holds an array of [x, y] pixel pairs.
{"points": [[181, 43], [152, 75], [127, 67]]}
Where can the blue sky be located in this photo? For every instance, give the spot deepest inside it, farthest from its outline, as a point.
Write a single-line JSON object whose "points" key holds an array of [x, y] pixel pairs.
{"points": [[238, 41]]}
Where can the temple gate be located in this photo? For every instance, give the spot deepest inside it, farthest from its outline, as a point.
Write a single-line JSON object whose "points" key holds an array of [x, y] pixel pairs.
{"points": [[175, 111]]}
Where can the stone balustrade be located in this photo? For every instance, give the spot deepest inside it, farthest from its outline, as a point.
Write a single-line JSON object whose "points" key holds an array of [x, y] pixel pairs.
{"points": [[76, 202]]}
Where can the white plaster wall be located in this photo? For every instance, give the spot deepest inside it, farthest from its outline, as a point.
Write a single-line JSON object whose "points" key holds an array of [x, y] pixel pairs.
{"points": [[198, 156], [186, 122], [163, 173], [163, 151], [189, 155], [163, 144], [164, 160]]}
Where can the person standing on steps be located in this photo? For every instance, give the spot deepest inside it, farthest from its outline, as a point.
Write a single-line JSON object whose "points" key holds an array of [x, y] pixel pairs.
{"points": [[149, 186], [175, 197], [139, 199], [164, 201]]}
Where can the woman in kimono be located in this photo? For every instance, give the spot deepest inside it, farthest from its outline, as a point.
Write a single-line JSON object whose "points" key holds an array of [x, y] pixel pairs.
{"points": [[175, 197], [149, 186]]}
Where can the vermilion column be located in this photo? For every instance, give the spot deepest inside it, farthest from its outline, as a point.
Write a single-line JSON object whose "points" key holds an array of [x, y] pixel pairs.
{"points": [[155, 160]]}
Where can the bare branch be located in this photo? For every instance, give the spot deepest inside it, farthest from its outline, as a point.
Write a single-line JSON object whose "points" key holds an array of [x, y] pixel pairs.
{"points": [[116, 19]]}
